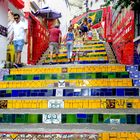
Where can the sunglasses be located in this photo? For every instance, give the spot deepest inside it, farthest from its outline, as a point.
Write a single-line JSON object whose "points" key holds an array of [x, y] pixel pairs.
{"points": [[16, 18]]}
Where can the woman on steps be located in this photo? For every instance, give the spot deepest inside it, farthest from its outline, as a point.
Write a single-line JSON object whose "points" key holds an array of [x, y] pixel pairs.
{"points": [[69, 43]]}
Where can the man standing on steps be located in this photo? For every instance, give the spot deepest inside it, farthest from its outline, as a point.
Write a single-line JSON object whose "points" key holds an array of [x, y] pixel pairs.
{"points": [[19, 38], [54, 42]]}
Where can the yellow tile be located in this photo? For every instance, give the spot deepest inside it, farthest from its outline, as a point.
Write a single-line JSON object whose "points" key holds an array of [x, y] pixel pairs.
{"points": [[66, 104], [124, 134], [138, 135], [19, 103], [113, 139], [113, 134], [103, 103], [10, 104], [85, 104], [105, 136]]}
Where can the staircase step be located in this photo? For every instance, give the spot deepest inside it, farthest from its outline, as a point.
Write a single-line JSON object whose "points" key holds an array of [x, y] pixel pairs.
{"points": [[65, 76], [67, 128], [125, 82], [73, 68], [103, 103], [72, 92], [78, 118]]}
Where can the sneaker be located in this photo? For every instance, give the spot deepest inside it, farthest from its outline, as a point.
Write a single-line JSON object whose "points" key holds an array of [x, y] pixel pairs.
{"points": [[20, 65], [15, 65]]}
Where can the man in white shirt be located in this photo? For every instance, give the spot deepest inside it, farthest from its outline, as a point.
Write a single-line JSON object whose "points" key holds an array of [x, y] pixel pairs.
{"points": [[19, 38]]}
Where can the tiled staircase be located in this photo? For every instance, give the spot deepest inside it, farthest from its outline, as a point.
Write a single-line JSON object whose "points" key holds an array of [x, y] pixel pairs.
{"points": [[75, 101]]}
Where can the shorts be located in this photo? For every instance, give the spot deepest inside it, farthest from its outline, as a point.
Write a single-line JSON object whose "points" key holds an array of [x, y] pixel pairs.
{"points": [[54, 48], [18, 44]]}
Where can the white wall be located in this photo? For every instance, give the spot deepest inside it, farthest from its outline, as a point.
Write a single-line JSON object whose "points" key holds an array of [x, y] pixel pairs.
{"points": [[3, 22], [95, 5], [60, 6]]}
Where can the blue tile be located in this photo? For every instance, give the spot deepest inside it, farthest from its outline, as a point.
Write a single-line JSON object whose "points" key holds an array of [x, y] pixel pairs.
{"points": [[41, 94], [82, 116], [75, 94], [15, 93], [138, 119], [86, 92], [95, 92], [7, 95], [123, 120], [36, 78], [131, 92], [120, 92], [69, 92], [22, 94]]}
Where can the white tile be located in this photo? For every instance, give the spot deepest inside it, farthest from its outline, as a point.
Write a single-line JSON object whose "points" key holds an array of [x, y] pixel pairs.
{"points": [[55, 104], [52, 118], [59, 92]]}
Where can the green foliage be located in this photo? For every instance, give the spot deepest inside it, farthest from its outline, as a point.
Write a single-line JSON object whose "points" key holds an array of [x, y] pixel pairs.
{"points": [[125, 3], [135, 4]]}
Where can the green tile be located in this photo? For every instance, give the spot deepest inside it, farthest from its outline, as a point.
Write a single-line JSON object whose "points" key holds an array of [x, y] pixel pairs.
{"points": [[54, 76], [98, 75], [9, 91], [95, 118], [106, 116], [131, 119], [82, 120], [90, 75], [115, 116], [89, 118], [19, 118], [8, 118], [101, 118], [63, 119], [71, 76], [71, 118], [42, 76], [104, 75], [48, 76], [112, 75], [32, 118], [1, 118], [80, 76], [30, 77], [17, 77], [39, 118], [24, 77]]}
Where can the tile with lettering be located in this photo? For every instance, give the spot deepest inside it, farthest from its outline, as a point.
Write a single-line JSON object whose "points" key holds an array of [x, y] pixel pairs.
{"points": [[54, 118], [55, 104], [59, 92]]}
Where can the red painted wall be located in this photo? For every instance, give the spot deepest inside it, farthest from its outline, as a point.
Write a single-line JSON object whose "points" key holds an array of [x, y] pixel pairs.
{"points": [[17, 3], [123, 35], [38, 39], [108, 24]]}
